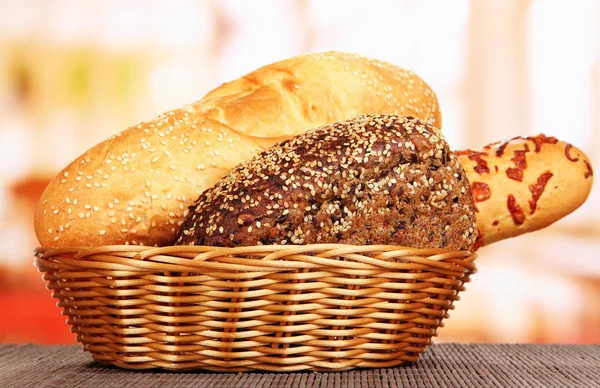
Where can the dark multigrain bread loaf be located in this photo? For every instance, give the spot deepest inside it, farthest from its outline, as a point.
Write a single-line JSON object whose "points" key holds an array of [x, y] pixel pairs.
{"points": [[376, 179]]}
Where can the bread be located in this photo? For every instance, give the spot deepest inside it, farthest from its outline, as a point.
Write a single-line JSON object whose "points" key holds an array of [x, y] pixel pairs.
{"points": [[525, 184], [375, 179], [135, 187]]}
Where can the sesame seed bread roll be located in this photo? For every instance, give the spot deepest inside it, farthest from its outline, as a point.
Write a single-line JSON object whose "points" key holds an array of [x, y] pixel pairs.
{"points": [[136, 187], [525, 184], [374, 179]]}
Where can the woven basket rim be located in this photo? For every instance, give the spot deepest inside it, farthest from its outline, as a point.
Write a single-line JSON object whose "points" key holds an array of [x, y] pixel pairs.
{"points": [[263, 257], [287, 249]]}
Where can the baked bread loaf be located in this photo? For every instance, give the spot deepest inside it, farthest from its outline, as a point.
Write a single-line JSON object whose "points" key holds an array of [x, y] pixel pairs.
{"points": [[375, 179], [135, 187], [525, 184]]}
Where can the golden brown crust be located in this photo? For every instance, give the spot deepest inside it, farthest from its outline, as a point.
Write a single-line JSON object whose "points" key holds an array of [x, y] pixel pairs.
{"points": [[135, 187], [525, 184]]}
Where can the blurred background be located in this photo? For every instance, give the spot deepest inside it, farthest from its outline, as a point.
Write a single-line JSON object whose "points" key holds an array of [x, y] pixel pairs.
{"points": [[73, 72]]}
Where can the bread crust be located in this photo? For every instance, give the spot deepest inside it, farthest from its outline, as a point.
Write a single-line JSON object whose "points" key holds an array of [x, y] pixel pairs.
{"points": [[375, 179], [135, 187], [525, 184]]}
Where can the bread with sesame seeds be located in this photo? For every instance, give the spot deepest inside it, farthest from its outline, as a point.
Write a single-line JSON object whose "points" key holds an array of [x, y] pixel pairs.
{"points": [[374, 179], [135, 187]]}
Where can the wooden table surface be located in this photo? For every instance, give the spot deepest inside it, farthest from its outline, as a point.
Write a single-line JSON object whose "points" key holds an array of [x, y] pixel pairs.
{"points": [[442, 365]]}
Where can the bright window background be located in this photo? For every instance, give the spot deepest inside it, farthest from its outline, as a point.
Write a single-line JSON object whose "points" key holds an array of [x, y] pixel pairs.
{"points": [[75, 72]]}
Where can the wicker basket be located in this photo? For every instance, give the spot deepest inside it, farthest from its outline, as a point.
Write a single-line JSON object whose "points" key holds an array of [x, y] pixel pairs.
{"points": [[276, 308]]}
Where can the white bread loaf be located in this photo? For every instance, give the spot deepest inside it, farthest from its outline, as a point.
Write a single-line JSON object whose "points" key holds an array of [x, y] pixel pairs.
{"points": [[135, 187], [525, 184]]}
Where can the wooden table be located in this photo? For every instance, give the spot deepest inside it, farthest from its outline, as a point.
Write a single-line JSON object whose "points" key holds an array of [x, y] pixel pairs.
{"points": [[442, 365]]}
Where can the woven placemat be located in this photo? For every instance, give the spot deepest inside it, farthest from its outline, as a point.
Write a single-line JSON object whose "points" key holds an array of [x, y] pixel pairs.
{"points": [[442, 365]]}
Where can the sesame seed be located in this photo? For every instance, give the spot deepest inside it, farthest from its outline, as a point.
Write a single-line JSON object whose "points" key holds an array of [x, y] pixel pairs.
{"points": [[305, 184]]}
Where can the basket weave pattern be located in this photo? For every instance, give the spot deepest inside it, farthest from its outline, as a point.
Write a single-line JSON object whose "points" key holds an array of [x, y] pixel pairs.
{"points": [[277, 308]]}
